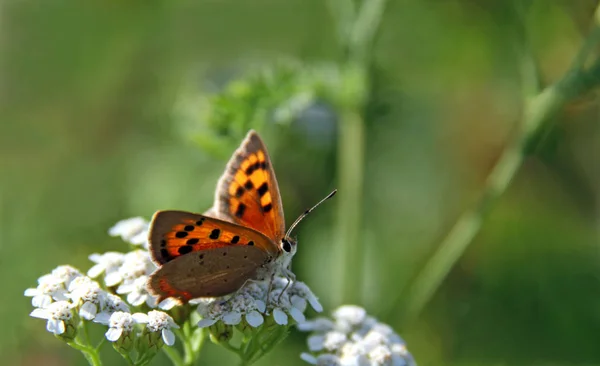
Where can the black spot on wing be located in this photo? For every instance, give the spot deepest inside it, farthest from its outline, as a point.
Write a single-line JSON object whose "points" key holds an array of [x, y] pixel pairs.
{"points": [[185, 249], [264, 188], [266, 208], [239, 192], [215, 234], [240, 210]]}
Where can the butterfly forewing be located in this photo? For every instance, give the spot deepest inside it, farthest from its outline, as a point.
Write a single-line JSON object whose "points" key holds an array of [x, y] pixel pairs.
{"points": [[209, 273], [247, 193], [174, 234]]}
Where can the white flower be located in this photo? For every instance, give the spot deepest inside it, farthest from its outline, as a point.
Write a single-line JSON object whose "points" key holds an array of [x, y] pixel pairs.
{"points": [[87, 293], [301, 293], [111, 304], [136, 264], [158, 321], [119, 323], [249, 303], [57, 314], [137, 292], [109, 264], [52, 287], [168, 303], [65, 274], [119, 268], [46, 293], [133, 230], [354, 338]]}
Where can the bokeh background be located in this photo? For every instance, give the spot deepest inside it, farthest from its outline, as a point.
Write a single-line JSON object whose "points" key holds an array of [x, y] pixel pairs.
{"points": [[118, 109]]}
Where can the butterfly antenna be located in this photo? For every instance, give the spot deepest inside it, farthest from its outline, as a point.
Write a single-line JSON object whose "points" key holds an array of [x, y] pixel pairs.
{"points": [[309, 211]]}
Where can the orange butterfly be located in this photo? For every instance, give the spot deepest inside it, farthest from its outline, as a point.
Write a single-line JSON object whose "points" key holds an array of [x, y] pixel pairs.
{"points": [[204, 256]]}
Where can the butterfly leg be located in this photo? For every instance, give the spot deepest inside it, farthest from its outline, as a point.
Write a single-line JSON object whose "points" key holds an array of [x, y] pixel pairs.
{"points": [[270, 288], [291, 277]]}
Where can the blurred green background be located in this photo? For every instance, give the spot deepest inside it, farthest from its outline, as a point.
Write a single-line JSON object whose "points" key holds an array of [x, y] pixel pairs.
{"points": [[102, 107]]}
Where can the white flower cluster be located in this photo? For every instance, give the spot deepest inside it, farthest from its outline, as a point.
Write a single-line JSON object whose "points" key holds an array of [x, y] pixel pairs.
{"points": [[129, 271], [353, 338], [133, 230], [66, 292], [251, 303]]}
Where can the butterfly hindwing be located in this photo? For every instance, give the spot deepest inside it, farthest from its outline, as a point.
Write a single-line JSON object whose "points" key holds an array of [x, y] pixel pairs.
{"points": [[247, 193], [176, 233], [209, 273]]}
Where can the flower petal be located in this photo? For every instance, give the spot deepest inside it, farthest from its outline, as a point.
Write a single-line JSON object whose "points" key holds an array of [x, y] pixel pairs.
{"points": [[96, 270], [40, 313], [308, 358], [206, 322], [140, 317], [168, 337], [168, 303], [315, 342], [315, 304], [112, 279], [232, 318], [280, 317], [113, 334], [254, 319], [102, 318], [88, 311], [31, 292], [299, 303], [260, 305], [297, 315]]}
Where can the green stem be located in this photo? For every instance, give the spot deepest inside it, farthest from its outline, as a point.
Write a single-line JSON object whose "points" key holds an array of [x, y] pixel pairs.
{"points": [[359, 30], [188, 353], [536, 115], [350, 164], [128, 358], [364, 30], [173, 355], [90, 353], [232, 348], [86, 333]]}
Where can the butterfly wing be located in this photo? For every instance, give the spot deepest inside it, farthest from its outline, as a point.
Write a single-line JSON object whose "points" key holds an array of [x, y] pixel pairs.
{"points": [[174, 234], [209, 273], [247, 193]]}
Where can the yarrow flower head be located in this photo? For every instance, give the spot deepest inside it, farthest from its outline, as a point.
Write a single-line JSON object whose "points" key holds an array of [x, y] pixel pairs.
{"points": [[108, 263], [120, 327], [133, 230], [47, 291], [112, 303], [68, 300], [87, 294], [58, 314], [260, 310], [254, 301], [354, 338], [160, 323]]}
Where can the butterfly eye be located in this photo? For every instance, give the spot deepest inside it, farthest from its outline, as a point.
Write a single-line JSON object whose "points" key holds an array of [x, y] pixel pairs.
{"points": [[286, 245]]}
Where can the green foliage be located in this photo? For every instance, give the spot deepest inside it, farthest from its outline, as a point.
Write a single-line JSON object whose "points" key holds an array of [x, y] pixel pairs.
{"points": [[87, 139]]}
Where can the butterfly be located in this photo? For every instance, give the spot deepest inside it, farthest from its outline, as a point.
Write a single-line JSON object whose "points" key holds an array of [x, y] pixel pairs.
{"points": [[242, 237]]}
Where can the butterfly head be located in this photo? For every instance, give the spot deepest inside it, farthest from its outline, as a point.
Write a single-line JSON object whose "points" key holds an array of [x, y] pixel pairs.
{"points": [[288, 249], [288, 246]]}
